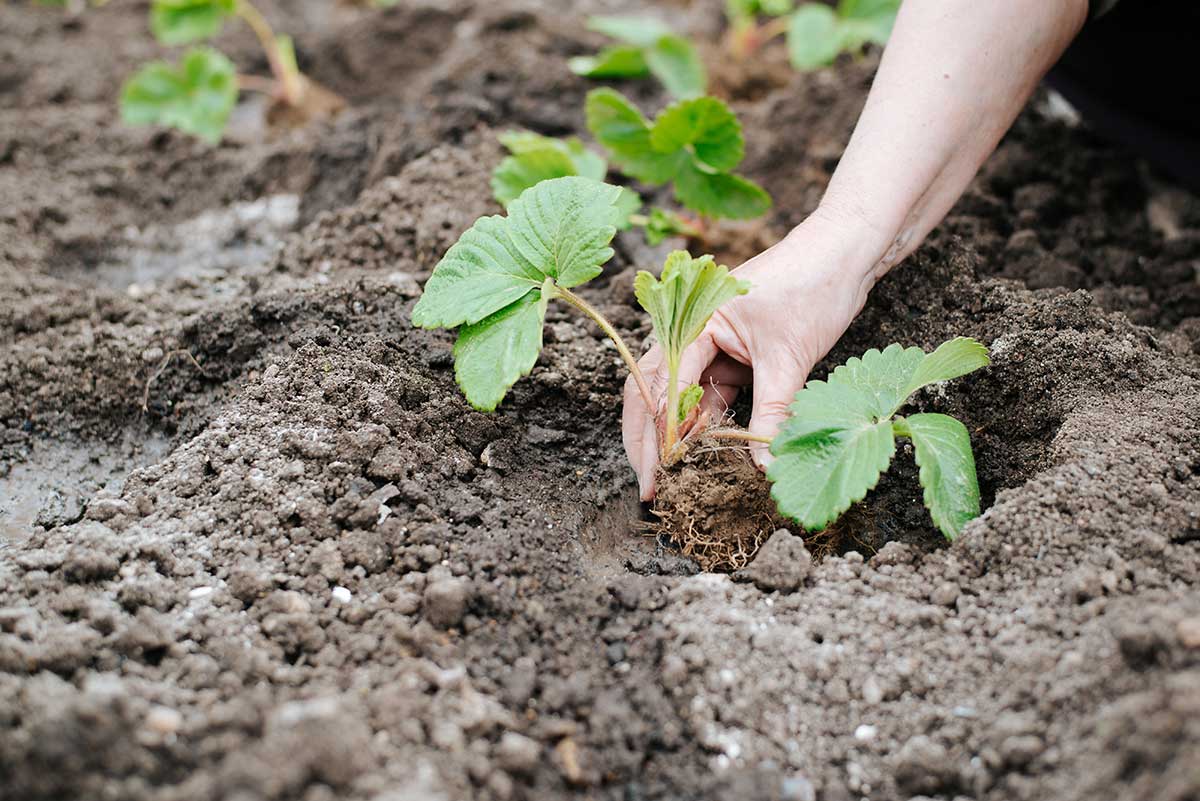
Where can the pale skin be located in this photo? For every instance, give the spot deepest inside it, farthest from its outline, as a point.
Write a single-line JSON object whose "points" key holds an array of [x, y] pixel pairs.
{"points": [[951, 81]]}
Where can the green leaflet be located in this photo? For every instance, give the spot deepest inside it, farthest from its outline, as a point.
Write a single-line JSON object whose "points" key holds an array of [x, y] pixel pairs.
{"points": [[735, 9], [817, 33], [661, 224], [494, 281], [176, 22], [947, 469], [196, 97], [689, 399], [647, 46], [693, 143], [841, 437], [681, 302]]}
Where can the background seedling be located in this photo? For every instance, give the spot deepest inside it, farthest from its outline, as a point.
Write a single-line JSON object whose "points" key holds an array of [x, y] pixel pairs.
{"points": [[692, 144], [198, 95], [647, 47], [816, 33], [534, 158], [842, 436]]}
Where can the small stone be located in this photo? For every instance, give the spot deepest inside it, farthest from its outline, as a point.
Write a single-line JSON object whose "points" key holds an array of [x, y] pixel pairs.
{"points": [[781, 564], [163, 720], [152, 355], [341, 595], [517, 753], [872, 693], [797, 788], [865, 733], [944, 594], [200, 592], [1188, 630], [446, 602]]}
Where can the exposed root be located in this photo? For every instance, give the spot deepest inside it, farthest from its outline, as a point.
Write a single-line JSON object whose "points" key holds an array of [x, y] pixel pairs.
{"points": [[162, 366]]}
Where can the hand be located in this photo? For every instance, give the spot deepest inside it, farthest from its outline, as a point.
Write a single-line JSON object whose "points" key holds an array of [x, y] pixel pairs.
{"points": [[804, 293]]}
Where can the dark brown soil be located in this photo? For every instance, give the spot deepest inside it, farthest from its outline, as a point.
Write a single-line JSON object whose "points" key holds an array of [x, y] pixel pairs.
{"points": [[309, 571]]}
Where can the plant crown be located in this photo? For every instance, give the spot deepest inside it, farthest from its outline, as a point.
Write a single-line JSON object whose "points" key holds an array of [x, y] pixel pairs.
{"points": [[680, 304], [817, 33], [647, 47], [842, 436], [197, 96], [694, 144]]}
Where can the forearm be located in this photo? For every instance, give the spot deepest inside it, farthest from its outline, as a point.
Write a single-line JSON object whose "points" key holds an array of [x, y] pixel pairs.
{"points": [[953, 78]]}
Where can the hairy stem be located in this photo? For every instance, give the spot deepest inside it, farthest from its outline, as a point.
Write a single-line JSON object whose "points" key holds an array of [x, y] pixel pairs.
{"points": [[611, 333], [738, 434], [289, 79], [672, 427]]}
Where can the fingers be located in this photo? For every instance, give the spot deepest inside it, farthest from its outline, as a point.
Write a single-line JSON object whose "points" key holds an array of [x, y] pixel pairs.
{"points": [[722, 381], [638, 433], [775, 386]]}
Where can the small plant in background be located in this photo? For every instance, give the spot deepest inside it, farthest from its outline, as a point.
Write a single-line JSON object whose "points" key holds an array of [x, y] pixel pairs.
{"points": [[816, 33], [692, 144], [535, 158], [646, 47], [198, 95], [842, 436]]}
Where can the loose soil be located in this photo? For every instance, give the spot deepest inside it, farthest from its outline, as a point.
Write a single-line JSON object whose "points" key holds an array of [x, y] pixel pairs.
{"points": [[254, 545]]}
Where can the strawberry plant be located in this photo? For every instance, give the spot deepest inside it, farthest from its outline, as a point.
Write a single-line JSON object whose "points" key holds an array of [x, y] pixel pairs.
{"points": [[645, 47], [199, 94], [495, 282], [692, 144], [816, 32], [534, 158], [842, 436]]}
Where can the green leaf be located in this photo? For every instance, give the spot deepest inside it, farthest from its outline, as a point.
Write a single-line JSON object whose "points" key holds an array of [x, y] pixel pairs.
{"points": [[496, 279], [707, 125], [947, 470], [632, 30], [692, 143], [720, 194], [689, 399], [176, 22], [196, 97], [515, 174], [830, 453], [662, 224], [586, 163], [813, 37], [867, 9], [682, 301], [951, 359], [492, 354], [621, 61], [621, 128], [675, 62]]}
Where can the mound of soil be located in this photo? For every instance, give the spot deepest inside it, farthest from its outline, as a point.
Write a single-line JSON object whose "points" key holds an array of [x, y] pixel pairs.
{"points": [[255, 545]]}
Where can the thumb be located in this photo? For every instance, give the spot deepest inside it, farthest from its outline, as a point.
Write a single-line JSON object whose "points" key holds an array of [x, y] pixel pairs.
{"points": [[775, 386]]}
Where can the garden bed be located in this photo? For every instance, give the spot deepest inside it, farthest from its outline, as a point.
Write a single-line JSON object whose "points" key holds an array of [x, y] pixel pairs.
{"points": [[254, 543]]}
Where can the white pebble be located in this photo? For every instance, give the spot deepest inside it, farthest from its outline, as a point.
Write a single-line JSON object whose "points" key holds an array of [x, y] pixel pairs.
{"points": [[341, 594], [200, 592], [865, 733]]}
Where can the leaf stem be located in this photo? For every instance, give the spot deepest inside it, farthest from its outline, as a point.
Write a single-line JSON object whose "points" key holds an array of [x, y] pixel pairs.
{"points": [[672, 426], [611, 333], [289, 79], [738, 434], [900, 427]]}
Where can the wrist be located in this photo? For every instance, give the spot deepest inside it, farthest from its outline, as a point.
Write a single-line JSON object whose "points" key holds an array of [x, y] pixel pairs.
{"points": [[845, 245]]}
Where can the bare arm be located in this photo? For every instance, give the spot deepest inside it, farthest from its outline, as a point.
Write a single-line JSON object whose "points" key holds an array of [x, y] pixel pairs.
{"points": [[952, 80]]}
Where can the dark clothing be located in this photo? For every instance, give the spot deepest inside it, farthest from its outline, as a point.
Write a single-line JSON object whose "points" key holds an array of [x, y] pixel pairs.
{"points": [[1131, 74]]}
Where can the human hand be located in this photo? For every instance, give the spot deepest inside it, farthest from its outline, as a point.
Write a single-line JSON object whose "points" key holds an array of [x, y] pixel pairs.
{"points": [[804, 293]]}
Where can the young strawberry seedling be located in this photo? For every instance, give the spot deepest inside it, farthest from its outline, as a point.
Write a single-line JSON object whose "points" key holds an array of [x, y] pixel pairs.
{"points": [[534, 158], [647, 47], [692, 144], [816, 33], [199, 94], [842, 436], [495, 282]]}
